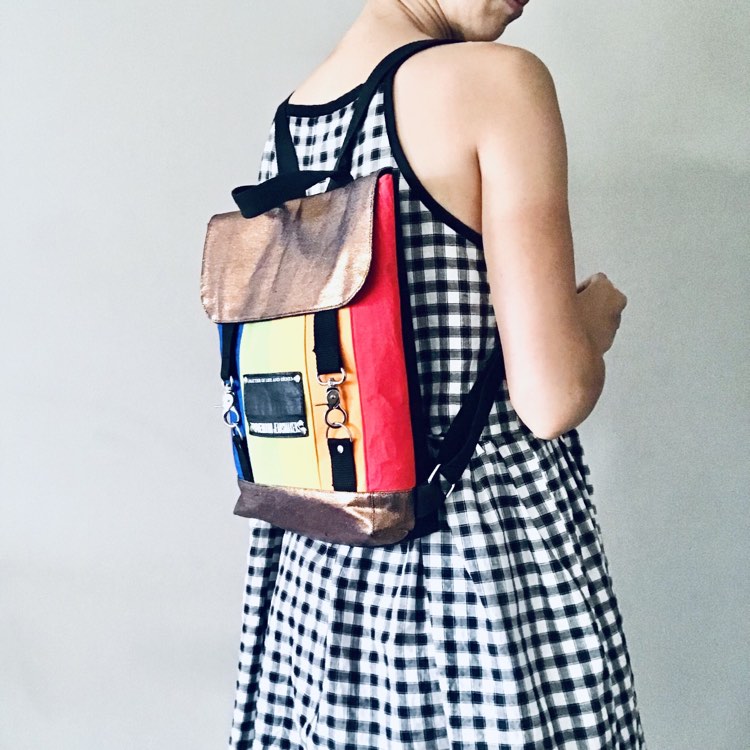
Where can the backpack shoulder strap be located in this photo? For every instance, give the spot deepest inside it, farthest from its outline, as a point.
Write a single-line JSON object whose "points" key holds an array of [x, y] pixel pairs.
{"points": [[285, 153], [292, 182]]}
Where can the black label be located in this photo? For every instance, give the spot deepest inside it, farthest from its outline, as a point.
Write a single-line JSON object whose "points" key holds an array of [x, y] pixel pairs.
{"points": [[275, 404]]}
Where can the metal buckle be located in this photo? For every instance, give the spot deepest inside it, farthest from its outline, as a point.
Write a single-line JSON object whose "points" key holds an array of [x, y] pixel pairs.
{"points": [[336, 423], [339, 424], [432, 474], [331, 381]]}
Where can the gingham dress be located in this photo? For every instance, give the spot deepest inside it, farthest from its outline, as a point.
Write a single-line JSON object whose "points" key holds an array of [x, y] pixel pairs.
{"points": [[499, 631]]}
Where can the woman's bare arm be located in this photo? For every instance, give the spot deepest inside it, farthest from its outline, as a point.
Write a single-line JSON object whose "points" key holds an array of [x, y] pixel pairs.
{"points": [[555, 372]]}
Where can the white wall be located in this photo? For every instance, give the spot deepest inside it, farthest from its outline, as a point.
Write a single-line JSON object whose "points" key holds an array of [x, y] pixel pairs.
{"points": [[124, 127]]}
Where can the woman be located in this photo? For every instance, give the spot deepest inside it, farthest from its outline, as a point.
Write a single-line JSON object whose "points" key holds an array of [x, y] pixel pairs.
{"points": [[501, 629]]}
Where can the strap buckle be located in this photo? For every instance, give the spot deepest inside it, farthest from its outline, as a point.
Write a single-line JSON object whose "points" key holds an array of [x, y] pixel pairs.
{"points": [[432, 474]]}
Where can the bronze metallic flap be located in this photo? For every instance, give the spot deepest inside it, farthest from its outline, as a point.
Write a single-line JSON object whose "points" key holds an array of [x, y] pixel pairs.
{"points": [[308, 254]]}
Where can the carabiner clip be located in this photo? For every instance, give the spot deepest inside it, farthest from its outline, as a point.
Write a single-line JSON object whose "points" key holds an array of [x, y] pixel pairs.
{"points": [[230, 415]]}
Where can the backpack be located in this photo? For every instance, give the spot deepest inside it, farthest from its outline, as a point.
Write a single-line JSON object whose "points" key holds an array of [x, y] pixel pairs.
{"points": [[318, 362]]}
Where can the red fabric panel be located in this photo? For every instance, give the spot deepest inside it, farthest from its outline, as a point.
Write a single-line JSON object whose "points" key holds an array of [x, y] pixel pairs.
{"points": [[379, 354]]}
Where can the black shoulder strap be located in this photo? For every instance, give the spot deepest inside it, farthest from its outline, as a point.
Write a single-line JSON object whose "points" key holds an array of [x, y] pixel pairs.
{"points": [[291, 182], [286, 155]]}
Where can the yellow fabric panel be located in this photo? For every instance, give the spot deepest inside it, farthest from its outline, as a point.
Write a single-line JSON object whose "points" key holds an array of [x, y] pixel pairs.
{"points": [[270, 346], [349, 391]]}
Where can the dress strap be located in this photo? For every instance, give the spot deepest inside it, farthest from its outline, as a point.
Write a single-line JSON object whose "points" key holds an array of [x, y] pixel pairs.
{"points": [[285, 152]]}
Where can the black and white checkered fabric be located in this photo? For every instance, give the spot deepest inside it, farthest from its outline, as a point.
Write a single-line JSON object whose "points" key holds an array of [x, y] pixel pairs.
{"points": [[499, 631]]}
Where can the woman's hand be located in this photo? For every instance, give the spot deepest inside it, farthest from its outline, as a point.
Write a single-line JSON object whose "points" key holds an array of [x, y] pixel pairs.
{"points": [[600, 304]]}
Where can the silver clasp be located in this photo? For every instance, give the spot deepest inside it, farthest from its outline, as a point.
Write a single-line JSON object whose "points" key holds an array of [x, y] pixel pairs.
{"points": [[229, 403], [333, 402], [432, 474], [331, 381]]}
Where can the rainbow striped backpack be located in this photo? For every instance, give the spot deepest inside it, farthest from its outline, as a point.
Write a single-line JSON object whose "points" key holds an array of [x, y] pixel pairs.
{"points": [[318, 363]]}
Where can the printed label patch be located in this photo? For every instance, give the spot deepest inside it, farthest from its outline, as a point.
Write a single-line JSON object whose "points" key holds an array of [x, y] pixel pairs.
{"points": [[275, 404]]}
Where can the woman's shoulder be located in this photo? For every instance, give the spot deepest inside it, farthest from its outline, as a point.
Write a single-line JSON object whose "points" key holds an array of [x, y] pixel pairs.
{"points": [[477, 79], [480, 62], [450, 99]]}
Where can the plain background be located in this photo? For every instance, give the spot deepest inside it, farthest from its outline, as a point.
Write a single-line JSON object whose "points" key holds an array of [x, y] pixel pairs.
{"points": [[124, 128]]}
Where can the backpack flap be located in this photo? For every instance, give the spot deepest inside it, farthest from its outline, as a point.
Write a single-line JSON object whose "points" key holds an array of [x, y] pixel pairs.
{"points": [[307, 254]]}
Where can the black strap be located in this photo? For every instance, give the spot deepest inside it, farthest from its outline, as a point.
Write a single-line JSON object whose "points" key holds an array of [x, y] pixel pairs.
{"points": [[463, 434], [389, 63], [291, 182], [229, 333], [327, 341], [460, 440], [343, 467], [254, 200], [240, 445]]}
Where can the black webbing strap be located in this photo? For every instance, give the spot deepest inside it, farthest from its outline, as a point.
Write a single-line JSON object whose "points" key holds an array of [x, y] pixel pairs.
{"points": [[389, 63], [240, 445], [343, 470], [291, 182], [254, 200], [327, 341], [460, 441], [284, 143], [463, 434], [458, 445], [228, 343]]}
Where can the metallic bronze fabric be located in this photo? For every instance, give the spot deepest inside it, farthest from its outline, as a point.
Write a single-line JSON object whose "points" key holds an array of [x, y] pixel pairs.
{"points": [[368, 519], [308, 254]]}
